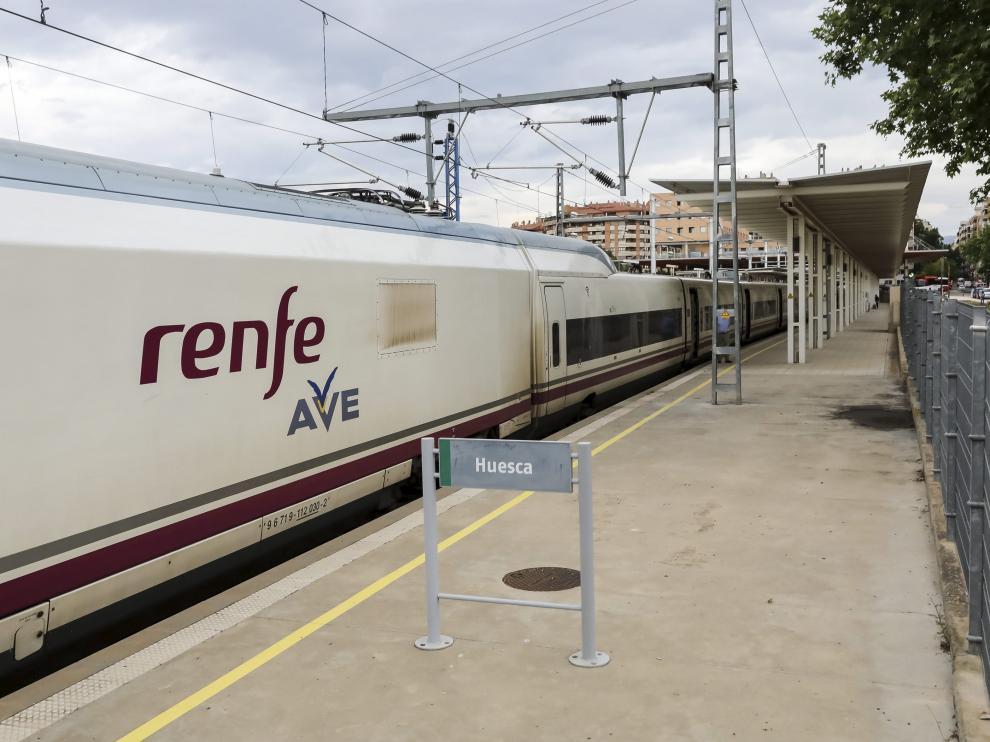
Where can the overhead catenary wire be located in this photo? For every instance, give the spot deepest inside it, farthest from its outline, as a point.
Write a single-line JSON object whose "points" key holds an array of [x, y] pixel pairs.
{"points": [[646, 118], [291, 165], [475, 169], [407, 190], [241, 91], [162, 98], [504, 146], [202, 78], [780, 85], [271, 101], [13, 100], [241, 119], [326, 22], [796, 160], [228, 87], [193, 107], [213, 141], [366, 99], [457, 82], [463, 56]]}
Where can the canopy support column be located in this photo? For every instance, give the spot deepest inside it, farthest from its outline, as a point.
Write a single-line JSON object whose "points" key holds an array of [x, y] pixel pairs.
{"points": [[790, 289], [802, 276], [833, 292], [820, 289]]}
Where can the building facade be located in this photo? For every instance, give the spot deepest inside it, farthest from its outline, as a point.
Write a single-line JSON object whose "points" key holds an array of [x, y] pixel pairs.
{"points": [[622, 229], [976, 223]]}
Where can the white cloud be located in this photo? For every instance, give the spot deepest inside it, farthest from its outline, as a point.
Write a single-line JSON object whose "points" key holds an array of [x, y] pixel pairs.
{"points": [[276, 50]]}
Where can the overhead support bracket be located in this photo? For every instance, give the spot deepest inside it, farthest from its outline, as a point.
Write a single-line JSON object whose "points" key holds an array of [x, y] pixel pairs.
{"points": [[621, 131], [625, 89]]}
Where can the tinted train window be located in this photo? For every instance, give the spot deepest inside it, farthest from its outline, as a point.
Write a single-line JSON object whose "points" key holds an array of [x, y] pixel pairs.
{"points": [[617, 333], [589, 338], [555, 343]]}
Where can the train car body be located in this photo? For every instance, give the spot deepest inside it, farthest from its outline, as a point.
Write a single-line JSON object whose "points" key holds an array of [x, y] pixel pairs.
{"points": [[195, 364]]}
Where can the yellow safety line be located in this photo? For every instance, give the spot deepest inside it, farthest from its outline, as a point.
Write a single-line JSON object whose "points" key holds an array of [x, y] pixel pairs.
{"points": [[190, 702]]}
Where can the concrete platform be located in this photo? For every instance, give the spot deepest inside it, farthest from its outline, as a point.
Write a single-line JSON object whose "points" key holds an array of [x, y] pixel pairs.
{"points": [[764, 572]]}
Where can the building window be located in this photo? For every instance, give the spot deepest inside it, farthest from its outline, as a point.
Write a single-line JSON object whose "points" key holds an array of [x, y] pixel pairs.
{"points": [[680, 230], [690, 230], [704, 229]]}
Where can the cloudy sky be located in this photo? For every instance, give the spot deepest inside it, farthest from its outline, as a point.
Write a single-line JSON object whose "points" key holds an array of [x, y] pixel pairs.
{"points": [[275, 49]]}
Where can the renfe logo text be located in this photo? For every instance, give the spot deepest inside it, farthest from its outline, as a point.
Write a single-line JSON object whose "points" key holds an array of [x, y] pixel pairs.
{"points": [[204, 341]]}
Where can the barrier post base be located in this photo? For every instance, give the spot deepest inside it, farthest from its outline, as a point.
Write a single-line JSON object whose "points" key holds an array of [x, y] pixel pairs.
{"points": [[442, 642], [601, 659]]}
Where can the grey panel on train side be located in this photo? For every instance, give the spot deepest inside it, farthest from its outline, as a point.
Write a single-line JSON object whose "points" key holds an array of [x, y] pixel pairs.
{"points": [[40, 170]]}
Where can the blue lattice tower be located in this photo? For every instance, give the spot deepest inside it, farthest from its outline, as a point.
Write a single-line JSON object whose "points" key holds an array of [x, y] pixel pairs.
{"points": [[452, 173]]}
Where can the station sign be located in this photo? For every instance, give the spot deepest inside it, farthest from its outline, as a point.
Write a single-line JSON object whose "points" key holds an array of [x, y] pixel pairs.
{"points": [[543, 466]]}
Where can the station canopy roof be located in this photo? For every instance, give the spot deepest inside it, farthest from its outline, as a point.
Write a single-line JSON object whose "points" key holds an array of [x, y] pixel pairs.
{"points": [[868, 212]]}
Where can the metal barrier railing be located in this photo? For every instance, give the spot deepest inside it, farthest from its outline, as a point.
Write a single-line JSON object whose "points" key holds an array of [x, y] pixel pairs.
{"points": [[945, 342]]}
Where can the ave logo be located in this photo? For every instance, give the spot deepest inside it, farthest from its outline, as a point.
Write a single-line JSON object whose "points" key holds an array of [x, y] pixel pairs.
{"points": [[325, 403]]}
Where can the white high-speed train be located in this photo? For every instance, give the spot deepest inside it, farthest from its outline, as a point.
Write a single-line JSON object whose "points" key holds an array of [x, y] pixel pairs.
{"points": [[193, 364]]}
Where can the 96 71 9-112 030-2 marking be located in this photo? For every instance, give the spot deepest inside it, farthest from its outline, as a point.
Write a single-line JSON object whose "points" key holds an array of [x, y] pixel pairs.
{"points": [[290, 516]]}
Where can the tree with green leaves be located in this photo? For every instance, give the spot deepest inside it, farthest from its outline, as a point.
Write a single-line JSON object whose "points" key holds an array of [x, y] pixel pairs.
{"points": [[928, 234], [954, 263], [976, 250], [937, 57]]}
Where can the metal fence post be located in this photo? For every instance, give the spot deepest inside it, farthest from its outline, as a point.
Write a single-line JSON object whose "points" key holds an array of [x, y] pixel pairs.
{"points": [[927, 360], [936, 401], [918, 307], [950, 421], [920, 350], [433, 639], [976, 500], [588, 656], [907, 327]]}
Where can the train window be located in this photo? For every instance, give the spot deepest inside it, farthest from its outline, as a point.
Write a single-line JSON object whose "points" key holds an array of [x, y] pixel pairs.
{"points": [[617, 331], [555, 343], [589, 338], [407, 316]]}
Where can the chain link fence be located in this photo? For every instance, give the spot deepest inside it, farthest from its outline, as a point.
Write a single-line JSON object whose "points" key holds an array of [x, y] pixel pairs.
{"points": [[945, 342]]}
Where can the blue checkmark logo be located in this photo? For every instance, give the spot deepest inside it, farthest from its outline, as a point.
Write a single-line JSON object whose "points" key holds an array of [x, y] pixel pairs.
{"points": [[321, 395]]}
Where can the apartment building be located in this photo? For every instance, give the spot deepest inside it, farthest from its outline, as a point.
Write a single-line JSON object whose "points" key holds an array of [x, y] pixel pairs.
{"points": [[610, 225], [619, 227], [976, 223]]}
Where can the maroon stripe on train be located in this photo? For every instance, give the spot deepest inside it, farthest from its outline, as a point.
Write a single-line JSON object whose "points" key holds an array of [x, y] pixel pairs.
{"points": [[589, 381], [31, 589]]}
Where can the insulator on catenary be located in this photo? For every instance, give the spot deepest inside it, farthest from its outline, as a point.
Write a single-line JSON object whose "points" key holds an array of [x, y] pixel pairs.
{"points": [[602, 178], [412, 193], [597, 120], [407, 137]]}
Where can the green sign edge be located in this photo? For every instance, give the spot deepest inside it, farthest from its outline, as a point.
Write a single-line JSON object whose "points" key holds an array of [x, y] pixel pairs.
{"points": [[444, 462]]}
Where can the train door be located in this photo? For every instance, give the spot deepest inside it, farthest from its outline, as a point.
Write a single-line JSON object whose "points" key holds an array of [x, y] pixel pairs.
{"points": [[556, 350], [695, 324], [748, 315]]}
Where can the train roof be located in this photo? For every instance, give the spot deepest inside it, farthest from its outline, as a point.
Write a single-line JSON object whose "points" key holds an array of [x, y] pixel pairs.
{"points": [[59, 169]]}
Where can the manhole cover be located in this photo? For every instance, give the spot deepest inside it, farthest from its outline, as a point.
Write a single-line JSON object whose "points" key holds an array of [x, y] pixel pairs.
{"points": [[543, 579]]}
